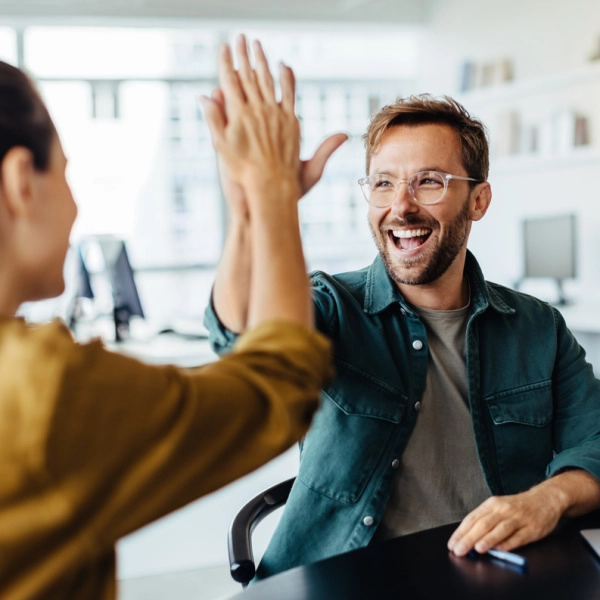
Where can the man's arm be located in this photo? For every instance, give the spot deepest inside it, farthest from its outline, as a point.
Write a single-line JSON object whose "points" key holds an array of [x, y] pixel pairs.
{"points": [[507, 522]]}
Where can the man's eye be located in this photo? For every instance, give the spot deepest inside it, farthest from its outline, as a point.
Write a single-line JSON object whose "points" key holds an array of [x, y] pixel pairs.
{"points": [[429, 182], [382, 184]]}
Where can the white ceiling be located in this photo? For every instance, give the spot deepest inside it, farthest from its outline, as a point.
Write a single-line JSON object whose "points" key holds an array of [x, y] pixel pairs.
{"points": [[390, 11]]}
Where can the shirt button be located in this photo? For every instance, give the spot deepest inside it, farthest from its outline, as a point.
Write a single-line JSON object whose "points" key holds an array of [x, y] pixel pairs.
{"points": [[395, 463], [368, 521], [417, 405], [417, 344]]}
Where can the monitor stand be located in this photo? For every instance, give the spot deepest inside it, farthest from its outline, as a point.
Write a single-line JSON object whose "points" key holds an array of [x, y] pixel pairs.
{"points": [[121, 316], [562, 299]]}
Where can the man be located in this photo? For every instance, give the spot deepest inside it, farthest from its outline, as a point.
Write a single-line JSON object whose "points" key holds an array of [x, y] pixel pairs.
{"points": [[455, 399]]}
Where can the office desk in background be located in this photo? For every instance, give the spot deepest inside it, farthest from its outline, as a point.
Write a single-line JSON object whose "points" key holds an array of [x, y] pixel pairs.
{"points": [[419, 567], [167, 348], [583, 319]]}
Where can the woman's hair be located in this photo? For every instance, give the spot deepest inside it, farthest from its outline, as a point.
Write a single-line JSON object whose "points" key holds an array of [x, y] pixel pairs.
{"points": [[24, 119], [425, 109]]}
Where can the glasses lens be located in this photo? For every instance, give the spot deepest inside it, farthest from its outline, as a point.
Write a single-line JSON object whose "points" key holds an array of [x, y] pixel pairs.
{"points": [[427, 187], [378, 190]]}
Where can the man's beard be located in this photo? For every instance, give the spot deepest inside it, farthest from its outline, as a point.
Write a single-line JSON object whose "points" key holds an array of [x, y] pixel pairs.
{"points": [[435, 263]]}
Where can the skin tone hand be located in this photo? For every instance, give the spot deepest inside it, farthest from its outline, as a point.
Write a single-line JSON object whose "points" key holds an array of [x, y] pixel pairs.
{"points": [[234, 274], [507, 522], [310, 170], [257, 133], [257, 141]]}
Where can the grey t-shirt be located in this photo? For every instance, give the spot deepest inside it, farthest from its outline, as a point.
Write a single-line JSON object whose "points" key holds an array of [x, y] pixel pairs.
{"points": [[439, 480]]}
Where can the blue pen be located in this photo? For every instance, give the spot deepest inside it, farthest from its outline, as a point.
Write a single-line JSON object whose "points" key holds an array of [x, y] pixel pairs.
{"points": [[509, 557]]}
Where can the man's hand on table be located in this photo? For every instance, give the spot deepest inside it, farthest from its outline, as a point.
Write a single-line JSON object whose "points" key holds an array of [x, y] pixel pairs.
{"points": [[507, 522]]}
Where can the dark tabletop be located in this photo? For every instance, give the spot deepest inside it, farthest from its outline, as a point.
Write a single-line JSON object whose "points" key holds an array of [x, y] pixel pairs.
{"points": [[419, 566]]}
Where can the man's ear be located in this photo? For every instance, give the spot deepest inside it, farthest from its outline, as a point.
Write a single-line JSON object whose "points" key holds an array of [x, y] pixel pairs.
{"points": [[17, 180], [481, 196]]}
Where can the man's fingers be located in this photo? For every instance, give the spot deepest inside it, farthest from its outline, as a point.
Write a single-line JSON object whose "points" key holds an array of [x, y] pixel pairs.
{"points": [[215, 118], [288, 88], [219, 100], [518, 538], [463, 542], [498, 534], [217, 96], [459, 533], [265, 79], [312, 169], [473, 528]]}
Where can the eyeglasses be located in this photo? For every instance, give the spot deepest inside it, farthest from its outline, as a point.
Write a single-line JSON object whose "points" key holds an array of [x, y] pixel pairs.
{"points": [[425, 187]]}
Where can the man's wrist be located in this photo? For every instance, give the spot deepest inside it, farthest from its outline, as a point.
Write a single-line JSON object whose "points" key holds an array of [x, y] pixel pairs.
{"points": [[574, 491]]}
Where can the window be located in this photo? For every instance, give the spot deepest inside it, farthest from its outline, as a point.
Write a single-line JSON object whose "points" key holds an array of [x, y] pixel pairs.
{"points": [[141, 162]]}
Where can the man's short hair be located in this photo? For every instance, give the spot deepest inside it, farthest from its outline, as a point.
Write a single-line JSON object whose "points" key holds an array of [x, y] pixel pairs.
{"points": [[425, 109]]}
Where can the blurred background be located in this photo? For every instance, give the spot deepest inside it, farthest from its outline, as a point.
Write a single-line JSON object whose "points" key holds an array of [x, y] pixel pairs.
{"points": [[122, 79]]}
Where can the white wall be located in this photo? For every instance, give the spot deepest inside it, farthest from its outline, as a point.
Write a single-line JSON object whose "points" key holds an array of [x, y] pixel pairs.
{"points": [[549, 44], [541, 36]]}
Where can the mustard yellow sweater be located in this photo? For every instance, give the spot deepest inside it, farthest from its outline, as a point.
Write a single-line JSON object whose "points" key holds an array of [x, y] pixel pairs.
{"points": [[94, 445]]}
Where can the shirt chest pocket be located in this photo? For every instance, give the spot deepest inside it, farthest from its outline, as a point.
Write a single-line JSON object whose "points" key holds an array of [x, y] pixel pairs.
{"points": [[349, 434], [523, 433]]}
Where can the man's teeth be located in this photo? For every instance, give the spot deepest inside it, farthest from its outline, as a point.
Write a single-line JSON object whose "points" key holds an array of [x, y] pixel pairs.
{"points": [[410, 233]]}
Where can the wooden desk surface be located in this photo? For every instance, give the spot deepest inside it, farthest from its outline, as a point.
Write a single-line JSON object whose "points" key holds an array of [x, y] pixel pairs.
{"points": [[418, 566]]}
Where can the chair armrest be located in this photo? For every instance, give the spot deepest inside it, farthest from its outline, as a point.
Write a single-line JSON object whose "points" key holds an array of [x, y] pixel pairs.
{"points": [[241, 557]]}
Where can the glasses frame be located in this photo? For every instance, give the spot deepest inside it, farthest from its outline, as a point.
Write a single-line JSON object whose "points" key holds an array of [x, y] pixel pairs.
{"points": [[446, 177]]}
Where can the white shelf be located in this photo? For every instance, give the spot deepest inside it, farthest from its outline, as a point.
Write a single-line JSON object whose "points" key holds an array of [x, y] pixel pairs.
{"points": [[517, 90], [582, 156]]}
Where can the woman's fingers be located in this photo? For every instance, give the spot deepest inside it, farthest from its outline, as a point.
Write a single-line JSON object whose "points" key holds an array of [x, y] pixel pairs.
{"points": [[265, 79], [247, 74], [228, 77], [288, 88], [249, 127], [249, 84]]}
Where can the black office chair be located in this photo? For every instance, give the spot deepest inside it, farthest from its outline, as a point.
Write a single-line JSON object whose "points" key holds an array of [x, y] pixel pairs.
{"points": [[239, 541]]}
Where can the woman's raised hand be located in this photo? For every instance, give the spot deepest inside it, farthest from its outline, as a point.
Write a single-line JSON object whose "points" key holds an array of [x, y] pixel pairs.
{"points": [[257, 137]]}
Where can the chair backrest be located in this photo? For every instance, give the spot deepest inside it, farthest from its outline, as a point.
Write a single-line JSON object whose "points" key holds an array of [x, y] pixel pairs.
{"points": [[239, 540]]}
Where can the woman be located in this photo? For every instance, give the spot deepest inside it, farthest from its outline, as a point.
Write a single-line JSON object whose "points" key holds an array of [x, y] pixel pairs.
{"points": [[94, 445]]}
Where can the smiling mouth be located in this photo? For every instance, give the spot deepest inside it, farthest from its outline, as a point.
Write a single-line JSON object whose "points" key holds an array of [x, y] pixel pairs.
{"points": [[409, 239]]}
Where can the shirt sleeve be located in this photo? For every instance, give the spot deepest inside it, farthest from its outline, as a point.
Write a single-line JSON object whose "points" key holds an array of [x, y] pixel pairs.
{"points": [[221, 339], [577, 407], [128, 442]]}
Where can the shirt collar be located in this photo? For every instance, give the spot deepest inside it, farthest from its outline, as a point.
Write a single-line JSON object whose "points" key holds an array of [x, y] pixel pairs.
{"points": [[381, 291]]}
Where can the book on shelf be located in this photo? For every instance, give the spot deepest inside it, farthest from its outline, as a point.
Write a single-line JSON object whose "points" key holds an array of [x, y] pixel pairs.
{"points": [[509, 133], [478, 75]]}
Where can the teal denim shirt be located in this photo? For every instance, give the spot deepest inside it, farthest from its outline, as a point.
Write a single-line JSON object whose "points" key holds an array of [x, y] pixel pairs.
{"points": [[534, 401]]}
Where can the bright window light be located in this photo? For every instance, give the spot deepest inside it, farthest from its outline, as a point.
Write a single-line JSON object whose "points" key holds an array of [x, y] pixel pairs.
{"points": [[8, 45]]}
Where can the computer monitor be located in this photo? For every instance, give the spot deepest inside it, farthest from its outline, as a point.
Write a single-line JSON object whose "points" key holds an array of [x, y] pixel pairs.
{"points": [[126, 300], [549, 249], [82, 286]]}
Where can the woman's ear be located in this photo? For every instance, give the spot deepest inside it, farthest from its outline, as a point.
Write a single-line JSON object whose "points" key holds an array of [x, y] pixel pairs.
{"points": [[17, 181], [481, 196]]}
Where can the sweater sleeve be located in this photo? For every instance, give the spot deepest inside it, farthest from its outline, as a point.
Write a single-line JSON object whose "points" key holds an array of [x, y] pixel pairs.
{"points": [[127, 442]]}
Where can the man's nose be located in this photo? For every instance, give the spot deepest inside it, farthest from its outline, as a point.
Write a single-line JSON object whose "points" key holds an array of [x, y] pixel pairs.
{"points": [[403, 201]]}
